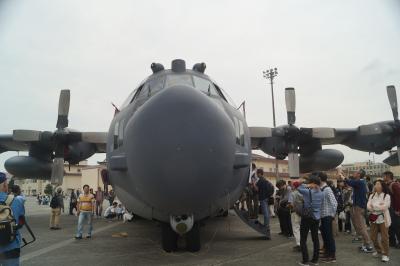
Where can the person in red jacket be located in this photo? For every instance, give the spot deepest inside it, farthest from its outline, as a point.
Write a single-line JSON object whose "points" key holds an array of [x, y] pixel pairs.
{"points": [[394, 191]]}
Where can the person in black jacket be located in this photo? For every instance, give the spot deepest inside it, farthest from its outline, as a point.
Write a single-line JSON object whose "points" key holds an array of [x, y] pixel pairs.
{"points": [[265, 190]]}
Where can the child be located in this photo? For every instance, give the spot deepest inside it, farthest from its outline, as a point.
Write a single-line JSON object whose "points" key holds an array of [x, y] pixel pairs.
{"points": [[120, 211]]}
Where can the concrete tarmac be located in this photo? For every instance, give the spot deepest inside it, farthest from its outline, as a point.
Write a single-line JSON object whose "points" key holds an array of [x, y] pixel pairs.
{"points": [[225, 241]]}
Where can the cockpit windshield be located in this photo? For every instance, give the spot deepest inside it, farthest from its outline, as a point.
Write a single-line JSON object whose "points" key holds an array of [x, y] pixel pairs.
{"points": [[173, 80], [154, 85]]}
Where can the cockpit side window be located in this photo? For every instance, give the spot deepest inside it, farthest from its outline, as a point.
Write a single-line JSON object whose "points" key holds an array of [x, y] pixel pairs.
{"points": [[224, 95], [155, 85], [205, 86], [129, 99]]}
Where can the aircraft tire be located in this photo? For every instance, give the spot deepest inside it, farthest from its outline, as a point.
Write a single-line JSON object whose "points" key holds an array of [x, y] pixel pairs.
{"points": [[169, 238], [193, 239]]}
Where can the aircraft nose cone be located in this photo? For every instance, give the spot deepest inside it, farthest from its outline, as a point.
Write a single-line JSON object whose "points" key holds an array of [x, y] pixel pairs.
{"points": [[180, 150]]}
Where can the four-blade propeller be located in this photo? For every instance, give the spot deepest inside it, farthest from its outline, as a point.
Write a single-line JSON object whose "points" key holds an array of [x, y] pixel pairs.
{"points": [[59, 140], [292, 135]]}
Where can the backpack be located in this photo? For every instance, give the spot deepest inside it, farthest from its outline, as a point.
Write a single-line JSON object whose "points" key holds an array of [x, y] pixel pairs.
{"points": [[7, 222], [298, 202], [54, 202], [308, 211]]}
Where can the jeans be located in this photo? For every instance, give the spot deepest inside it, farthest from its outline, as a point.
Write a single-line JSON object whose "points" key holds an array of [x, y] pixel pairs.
{"points": [[10, 258], [82, 217], [265, 212], [9, 262], [327, 236], [306, 225]]}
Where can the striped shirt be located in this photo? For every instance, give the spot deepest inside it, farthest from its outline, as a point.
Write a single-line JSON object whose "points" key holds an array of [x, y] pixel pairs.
{"points": [[86, 202]]}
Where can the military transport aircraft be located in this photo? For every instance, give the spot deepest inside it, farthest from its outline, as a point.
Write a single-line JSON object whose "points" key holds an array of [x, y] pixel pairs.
{"points": [[179, 151]]}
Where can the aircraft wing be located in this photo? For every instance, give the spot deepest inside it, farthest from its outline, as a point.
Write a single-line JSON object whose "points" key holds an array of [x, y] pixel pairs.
{"points": [[7, 143], [23, 140]]}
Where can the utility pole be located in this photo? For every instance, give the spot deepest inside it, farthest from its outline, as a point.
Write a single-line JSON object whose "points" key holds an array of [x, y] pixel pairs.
{"points": [[271, 74]]}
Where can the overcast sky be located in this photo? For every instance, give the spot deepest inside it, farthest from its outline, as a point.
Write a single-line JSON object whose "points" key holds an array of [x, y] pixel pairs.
{"points": [[339, 55]]}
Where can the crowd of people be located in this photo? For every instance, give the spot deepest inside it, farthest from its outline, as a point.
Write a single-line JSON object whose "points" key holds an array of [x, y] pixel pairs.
{"points": [[87, 204], [315, 205], [311, 205]]}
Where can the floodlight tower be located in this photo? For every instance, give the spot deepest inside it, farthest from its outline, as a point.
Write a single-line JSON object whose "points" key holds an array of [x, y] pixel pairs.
{"points": [[271, 74]]}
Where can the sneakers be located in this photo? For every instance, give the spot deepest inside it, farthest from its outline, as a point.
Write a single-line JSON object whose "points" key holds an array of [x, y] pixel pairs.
{"points": [[356, 240], [303, 263], [375, 254], [78, 237], [366, 249], [314, 263], [385, 258]]}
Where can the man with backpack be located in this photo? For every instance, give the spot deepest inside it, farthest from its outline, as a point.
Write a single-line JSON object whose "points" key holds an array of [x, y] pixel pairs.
{"points": [[264, 190], [56, 205], [12, 213], [310, 218]]}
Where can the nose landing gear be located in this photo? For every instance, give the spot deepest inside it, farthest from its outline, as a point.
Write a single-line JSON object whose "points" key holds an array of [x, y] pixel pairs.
{"points": [[184, 226]]}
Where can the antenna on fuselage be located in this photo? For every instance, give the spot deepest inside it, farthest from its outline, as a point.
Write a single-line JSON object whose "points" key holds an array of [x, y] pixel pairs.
{"points": [[156, 67], [199, 67]]}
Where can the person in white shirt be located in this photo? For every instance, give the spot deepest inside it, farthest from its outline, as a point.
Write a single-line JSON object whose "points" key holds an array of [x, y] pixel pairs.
{"points": [[111, 211], [378, 204]]}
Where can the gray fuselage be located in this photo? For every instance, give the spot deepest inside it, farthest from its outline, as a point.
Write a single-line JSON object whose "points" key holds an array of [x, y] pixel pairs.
{"points": [[178, 147]]}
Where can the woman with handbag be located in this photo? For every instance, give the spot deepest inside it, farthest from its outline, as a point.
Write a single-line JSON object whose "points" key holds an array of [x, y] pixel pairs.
{"points": [[378, 205]]}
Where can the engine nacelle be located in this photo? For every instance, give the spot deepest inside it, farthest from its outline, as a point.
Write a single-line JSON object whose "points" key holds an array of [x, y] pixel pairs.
{"points": [[321, 160], [28, 167], [275, 146], [79, 151]]}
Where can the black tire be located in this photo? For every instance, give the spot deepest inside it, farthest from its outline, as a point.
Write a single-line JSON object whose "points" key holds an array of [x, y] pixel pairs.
{"points": [[193, 239], [169, 238]]}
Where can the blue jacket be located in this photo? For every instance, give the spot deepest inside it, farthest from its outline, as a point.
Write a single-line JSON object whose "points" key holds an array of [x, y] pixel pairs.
{"points": [[17, 206], [316, 195], [359, 192]]}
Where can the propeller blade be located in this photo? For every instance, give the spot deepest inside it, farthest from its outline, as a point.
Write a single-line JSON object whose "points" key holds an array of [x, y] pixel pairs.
{"points": [[323, 132], [290, 97], [26, 135], [391, 92], [63, 109], [294, 165], [255, 132], [94, 137], [398, 154], [57, 171]]}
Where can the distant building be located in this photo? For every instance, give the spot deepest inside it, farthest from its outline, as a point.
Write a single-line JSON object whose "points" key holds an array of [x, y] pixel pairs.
{"points": [[269, 166], [75, 176], [374, 170], [396, 171]]}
